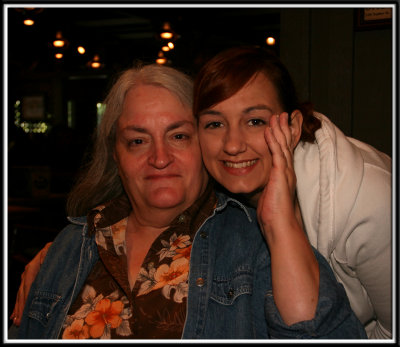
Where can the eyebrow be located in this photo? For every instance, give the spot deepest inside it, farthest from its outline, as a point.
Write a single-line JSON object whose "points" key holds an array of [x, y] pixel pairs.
{"points": [[170, 127], [257, 107], [245, 111]]}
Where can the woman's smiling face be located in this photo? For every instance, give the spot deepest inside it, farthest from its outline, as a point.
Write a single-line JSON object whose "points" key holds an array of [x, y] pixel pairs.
{"points": [[232, 139]]}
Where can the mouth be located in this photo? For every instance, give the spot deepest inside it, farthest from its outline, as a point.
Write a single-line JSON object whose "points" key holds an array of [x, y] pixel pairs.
{"points": [[240, 165], [159, 177]]}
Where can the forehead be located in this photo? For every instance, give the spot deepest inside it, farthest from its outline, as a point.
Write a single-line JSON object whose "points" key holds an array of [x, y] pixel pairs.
{"points": [[258, 91], [259, 85], [153, 105]]}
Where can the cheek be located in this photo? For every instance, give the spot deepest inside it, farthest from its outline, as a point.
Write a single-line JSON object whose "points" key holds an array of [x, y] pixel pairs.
{"points": [[193, 159], [259, 145], [209, 146], [209, 157], [127, 166]]}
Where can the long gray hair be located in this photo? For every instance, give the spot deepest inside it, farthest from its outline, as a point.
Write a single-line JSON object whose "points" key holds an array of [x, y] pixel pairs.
{"points": [[99, 181]]}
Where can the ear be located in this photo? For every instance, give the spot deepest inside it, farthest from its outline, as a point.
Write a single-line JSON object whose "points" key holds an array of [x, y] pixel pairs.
{"points": [[296, 125]]}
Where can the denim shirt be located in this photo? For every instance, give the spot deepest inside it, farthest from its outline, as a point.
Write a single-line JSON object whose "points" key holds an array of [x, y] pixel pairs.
{"points": [[230, 291]]}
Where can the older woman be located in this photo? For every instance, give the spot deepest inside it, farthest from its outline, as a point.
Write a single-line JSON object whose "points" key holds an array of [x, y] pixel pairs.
{"points": [[159, 254], [342, 199]]}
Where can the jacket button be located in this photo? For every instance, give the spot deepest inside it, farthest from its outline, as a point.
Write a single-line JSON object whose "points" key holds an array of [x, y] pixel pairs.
{"points": [[203, 235], [182, 218], [199, 282]]}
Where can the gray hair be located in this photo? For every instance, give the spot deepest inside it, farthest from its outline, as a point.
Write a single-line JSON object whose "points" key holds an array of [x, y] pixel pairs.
{"points": [[99, 182]]}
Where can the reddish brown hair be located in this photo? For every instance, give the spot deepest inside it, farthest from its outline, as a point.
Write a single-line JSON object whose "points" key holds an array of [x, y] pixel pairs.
{"points": [[226, 73]]}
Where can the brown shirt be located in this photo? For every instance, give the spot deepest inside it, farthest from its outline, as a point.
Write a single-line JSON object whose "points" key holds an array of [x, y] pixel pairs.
{"points": [[106, 308]]}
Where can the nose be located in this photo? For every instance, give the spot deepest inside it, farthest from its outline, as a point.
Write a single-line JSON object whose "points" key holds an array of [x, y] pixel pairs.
{"points": [[234, 141], [160, 156]]}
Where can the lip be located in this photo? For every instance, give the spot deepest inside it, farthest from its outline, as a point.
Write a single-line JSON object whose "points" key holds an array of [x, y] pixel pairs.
{"points": [[239, 168], [160, 177]]}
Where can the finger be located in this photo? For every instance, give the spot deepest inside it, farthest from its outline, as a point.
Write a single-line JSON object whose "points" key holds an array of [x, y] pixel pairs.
{"points": [[283, 136], [284, 124], [17, 313], [12, 316], [287, 145], [278, 157]]}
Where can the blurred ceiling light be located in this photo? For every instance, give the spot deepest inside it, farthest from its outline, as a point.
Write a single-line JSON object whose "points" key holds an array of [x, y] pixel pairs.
{"points": [[59, 55], [29, 21], [165, 48], [171, 45], [161, 59], [270, 41], [166, 32], [81, 50], [29, 14], [95, 64], [59, 42]]}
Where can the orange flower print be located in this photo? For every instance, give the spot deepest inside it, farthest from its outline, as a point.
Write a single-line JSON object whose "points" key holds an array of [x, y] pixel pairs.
{"points": [[171, 247], [77, 330], [174, 274], [180, 241], [183, 252], [105, 315]]}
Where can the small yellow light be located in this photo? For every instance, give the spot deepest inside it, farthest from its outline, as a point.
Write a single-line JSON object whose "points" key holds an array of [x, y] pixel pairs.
{"points": [[161, 61], [59, 55], [81, 50], [58, 43], [166, 35], [270, 41], [29, 22], [95, 64], [165, 48], [171, 45]]}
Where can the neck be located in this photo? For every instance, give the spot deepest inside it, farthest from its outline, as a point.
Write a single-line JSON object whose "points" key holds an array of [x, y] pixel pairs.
{"points": [[153, 218], [250, 199], [139, 225]]}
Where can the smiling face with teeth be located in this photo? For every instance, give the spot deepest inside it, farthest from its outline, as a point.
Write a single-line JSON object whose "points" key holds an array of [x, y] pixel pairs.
{"points": [[232, 139]]}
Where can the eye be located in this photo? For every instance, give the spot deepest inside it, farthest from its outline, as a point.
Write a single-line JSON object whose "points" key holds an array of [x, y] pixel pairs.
{"points": [[135, 142], [256, 122], [213, 125], [180, 137]]}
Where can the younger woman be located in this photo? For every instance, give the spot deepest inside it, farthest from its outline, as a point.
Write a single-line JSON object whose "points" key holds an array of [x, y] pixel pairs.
{"points": [[342, 198]]}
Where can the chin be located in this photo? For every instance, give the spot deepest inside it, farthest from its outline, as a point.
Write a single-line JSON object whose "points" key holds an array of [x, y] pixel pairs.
{"points": [[247, 193], [239, 189], [165, 199]]}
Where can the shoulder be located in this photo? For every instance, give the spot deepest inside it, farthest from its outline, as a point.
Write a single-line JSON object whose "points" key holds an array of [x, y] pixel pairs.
{"points": [[71, 237]]}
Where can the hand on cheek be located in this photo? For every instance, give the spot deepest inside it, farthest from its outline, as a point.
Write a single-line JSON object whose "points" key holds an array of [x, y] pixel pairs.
{"points": [[276, 204]]}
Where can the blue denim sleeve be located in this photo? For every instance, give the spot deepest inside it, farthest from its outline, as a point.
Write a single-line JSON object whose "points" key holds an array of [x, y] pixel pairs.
{"points": [[334, 318]]}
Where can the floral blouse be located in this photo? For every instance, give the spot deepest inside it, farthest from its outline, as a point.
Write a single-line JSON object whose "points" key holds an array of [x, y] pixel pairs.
{"points": [[106, 307]]}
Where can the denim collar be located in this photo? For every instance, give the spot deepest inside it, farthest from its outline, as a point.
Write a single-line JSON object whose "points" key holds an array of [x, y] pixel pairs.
{"points": [[224, 200]]}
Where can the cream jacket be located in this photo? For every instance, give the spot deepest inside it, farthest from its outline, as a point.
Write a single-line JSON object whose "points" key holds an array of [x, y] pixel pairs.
{"points": [[344, 189]]}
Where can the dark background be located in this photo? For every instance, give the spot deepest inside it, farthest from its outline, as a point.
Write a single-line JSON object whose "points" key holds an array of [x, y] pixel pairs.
{"points": [[340, 62]]}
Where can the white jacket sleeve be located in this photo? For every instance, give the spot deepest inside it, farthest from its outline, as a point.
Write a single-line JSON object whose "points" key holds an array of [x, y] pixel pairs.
{"points": [[366, 269], [345, 193]]}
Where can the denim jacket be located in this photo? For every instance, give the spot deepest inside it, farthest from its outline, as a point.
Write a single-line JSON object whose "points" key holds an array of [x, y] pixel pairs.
{"points": [[230, 292]]}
